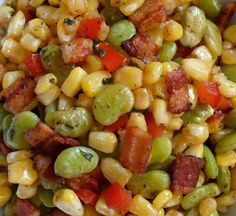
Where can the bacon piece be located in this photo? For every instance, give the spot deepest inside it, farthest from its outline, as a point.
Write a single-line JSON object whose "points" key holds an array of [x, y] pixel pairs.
{"points": [[25, 208], [19, 95], [226, 15], [4, 149], [178, 98], [147, 16], [58, 212], [185, 172], [141, 47], [182, 51], [76, 50]]}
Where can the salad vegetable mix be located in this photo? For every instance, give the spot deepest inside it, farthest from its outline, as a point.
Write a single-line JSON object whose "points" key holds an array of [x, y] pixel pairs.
{"points": [[117, 107]]}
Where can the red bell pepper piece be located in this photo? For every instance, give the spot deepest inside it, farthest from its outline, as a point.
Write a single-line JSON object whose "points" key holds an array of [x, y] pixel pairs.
{"points": [[88, 196], [224, 103], [152, 128], [89, 28], [120, 123], [118, 198], [34, 65], [29, 12]]}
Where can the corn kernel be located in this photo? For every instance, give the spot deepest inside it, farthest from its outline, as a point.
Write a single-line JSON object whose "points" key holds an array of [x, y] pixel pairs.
{"points": [[227, 45], [159, 88], [30, 42], [90, 211], [229, 56], [157, 34], [22, 172], [193, 96], [173, 31], [19, 156], [5, 195], [207, 206], [226, 199], [152, 73], [84, 101], [130, 6], [169, 67], [45, 12], [51, 95], [226, 159], [16, 25], [201, 179], [180, 144], [195, 150], [93, 63], [102, 208], [113, 171], [10, 77], [173, 212], [176, 199], [4, 179], [103, 31], [229, 34], [137, 120], [203, 53], [36, 3], [6, 14], [26, 191], [141, 98], [175, 123], [65, 102], [162, 198]]}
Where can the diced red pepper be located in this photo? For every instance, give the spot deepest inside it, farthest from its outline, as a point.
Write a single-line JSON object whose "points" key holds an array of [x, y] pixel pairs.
{"points": [[112, 59], [34, 65], [118, 198], [88, 196], [23, 207], [152, 128], [89, 28], [29, 12], [135, 149], [224, 103], [120, 123], [216, 118]]}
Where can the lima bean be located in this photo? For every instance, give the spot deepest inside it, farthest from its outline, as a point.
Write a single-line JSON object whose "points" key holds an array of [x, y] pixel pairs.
{"points": [[72, 123], [210, 7], [216, 137], [35, 200], [121, 31], [3, 113], [76, 161], [230, 119], [6, 124], [161, 149], [224, 179], [111, 103], [20, 123], [111, 15], [193, 198], [194, 24], [212, 38], [149, 183], [51, 107], [167, 51], [211, 168], [229, 71], [226, 144], [46, 197]]}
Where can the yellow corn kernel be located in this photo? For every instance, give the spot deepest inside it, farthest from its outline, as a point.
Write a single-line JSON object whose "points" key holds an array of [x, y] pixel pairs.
{"points": [[137, 120], [49, 96], [173, 212], [159, 88], [6, 14], [77, 7], [162, 198], [195, 150], [160, 113], [30, 42], [169, 67], [193, 96], [141, 206], [92, 5], [129, 6], [201, 179], [203, 53], [226, 159], [196, 68], [226, 199], [10, 77], [129, 76], [176, 199], [157, 34], [207, 206], [19, 156], [227, 45], [233, 178], [152, 73], [67, 201], [65, 102], [26, 191], [22, 172], [173, 30], [141, 98], [16, 25], [5, 195], [229, 56], [113, 171], [92, 84], [90, 211], [22, 4], [9, 49], [84, 101], [45, 83], [102, 208], [4, 179], [60, 12], [180, 144], [36, 3], [54, 2], [229, 34], [103, 31], [2, 60], [44, 12], [233, 101], [93, 63], [175, 123], [102, 141], [72, 84]]}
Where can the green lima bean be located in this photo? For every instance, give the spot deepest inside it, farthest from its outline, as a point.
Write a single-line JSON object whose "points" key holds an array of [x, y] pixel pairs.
{"points": [[216, 137], [210, 7], [111, 15], [229, 71], [226, 144], [167, 51], [46, 197], [3, 113], [230, 119], [224, 179]]}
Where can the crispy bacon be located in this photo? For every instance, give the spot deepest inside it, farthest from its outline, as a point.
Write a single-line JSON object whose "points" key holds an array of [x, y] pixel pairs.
{"points": [[147, 16], [19, 95], [76, 50], [57, 212], [182, 51], [185, 172], [178, 97], [141, 47], [226, 15], [25, 208], [4, 149]]}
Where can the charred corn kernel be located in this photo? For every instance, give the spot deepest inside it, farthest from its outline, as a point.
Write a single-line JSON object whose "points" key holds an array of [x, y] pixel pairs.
{"points": [[137, 120], [202, 53], [207, 206], [113, 171], [226, 159], [172, 31], [72, 84], [118, 3], [226, 87], [92, 84], [201, 179], [30, 42], [19, 156], [229, 56], [90, 211], [141, 206], [129, 76], [229, 34], [160, 113], [16, 25], [130, 6], [93, 63], [22, 172], [102, 208], [157, 34], [193, 96], [159, 88], [68, 202], [45, 83], [179, 144], [26, 191], [227, 45], [36, 3], [195, 150], [103, 141], [169, 67], [103, 31], [175, 123], [9, 49], [49, 96], [173, 212], [6, 14], [65, 102], [196, 134], [162, 198], [176, 199], [4, 179], [84, 101], [45, 12], [10, 77], [77, 7], [141, 98], [152, 73], [5, 195], [196, 68], [227, 199]]}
